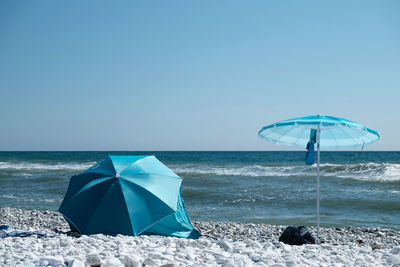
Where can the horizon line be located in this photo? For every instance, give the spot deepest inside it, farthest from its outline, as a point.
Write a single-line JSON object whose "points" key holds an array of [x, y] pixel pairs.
{"points": [[154, 150]]}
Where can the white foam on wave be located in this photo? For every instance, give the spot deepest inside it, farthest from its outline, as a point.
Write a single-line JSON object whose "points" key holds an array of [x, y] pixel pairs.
{"points": [[385, 172], [24, 199], [44, 166], [361, 171], [244, 199], [250, 170]]}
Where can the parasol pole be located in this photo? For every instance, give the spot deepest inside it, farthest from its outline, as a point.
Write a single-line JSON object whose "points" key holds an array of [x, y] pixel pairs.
{"points": [[318, 141]]}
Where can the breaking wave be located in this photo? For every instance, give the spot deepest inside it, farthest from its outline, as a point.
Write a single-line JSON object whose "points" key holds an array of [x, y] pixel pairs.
{"points": [[24, 199], [44, 166], [251, 170], [364, 171], [385, 172]]}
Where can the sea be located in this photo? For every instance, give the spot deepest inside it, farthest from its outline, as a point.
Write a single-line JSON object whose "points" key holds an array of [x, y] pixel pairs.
{"points": [[357, 188]]}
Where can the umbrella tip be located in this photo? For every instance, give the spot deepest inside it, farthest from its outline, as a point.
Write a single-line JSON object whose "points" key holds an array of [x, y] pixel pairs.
{"points": [[117, 175]]}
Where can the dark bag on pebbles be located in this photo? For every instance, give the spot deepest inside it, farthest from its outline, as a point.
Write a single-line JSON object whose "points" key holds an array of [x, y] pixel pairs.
{"points": [[296, 236]]}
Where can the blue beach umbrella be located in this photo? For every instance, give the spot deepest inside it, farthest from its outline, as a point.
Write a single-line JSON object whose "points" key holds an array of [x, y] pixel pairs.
{"points": [[129, 195], [325, 131]]}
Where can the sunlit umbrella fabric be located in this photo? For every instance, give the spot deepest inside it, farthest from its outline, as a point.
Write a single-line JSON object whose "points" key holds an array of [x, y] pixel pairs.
{"points": [[127, 195]]}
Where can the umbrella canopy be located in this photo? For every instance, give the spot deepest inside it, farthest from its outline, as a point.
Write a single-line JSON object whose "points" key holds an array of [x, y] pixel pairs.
{"points": [[127, 195], [329, 132], [334, 132]]}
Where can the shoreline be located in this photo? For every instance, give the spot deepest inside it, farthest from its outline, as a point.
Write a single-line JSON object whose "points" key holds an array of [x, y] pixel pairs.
{"points": [[225, 243]]}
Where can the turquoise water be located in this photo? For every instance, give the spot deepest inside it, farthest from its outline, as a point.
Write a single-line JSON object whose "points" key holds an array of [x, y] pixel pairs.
{"points": [[357, 188]]}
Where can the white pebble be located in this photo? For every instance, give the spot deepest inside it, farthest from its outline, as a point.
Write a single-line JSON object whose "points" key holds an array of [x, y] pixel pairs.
{"points": [[52, 261], [113, 262], [230, 244], [225, 244], [148, 262], [93, 259], [131, 261], [395, 250], [76, 263]]}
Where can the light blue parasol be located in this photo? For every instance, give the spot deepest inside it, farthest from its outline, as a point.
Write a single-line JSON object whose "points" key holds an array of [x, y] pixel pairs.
{"points": [[331, 132]]}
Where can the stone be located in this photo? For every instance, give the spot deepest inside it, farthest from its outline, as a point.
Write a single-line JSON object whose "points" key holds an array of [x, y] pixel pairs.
{"points": [[377, 246], [52, 261], [225, 245], [380, 234], [148, 262], [290, 263], [254, 257], [393, 260], [131, 261], [76, 263], [156, 255], [112, 262], [256, 244], [93, 259], [395, 250]]}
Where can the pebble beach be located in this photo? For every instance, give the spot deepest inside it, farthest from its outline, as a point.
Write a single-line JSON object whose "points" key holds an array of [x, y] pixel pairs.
{"points": [[222, 244]]}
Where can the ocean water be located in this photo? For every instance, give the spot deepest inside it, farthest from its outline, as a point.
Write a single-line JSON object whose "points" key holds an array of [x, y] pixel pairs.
{"points": [[357, 188]]}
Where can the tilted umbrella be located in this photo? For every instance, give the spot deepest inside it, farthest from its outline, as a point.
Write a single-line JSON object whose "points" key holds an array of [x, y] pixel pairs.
{"points": [[326, 131], [127, 195]]}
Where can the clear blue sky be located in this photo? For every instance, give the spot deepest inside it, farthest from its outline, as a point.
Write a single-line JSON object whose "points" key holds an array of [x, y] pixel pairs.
{"points": [[192, 75]]}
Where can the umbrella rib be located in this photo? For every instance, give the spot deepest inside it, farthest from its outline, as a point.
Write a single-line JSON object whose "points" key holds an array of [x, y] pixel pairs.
{"points": [[364, 136], [90, 184], [94, 211], [148, 192], [126, 206], [158, 199], [177, 177], [101, 171], [144, 230], [132, 163], [288, 131], [96, 172], [359, 138], [147, 173], [342, 129], [334, 138], [298, 138], [271, 132]]}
